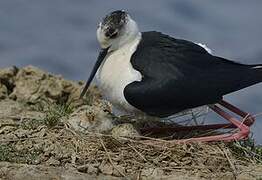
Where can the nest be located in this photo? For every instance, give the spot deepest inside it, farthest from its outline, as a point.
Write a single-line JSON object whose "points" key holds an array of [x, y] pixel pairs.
{"points": [[99, 153]]}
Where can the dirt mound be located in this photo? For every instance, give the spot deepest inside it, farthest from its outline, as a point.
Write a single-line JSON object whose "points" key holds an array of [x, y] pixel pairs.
{"points": [[47, 132]]}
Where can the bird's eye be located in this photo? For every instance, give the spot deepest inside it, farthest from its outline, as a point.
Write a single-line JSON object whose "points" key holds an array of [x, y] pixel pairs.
{"points": [[111, 33], [114, 35]]}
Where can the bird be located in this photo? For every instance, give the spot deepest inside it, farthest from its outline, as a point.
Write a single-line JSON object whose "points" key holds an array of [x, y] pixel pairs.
{"points": [[159, 75]]}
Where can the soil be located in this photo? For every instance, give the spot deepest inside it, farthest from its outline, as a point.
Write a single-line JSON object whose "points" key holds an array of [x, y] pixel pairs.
{"points": [[47, 132]]}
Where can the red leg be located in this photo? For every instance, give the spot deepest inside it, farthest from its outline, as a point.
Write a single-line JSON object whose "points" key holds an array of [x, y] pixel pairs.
{"points": [[241, 134], [243, 125], [249, 120]]}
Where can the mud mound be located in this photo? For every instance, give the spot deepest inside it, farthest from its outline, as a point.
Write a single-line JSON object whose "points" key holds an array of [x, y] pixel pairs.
{"points": [[47, 132]]}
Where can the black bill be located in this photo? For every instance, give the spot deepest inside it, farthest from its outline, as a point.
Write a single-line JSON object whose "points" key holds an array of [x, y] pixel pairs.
{"points": [[99, 60]]}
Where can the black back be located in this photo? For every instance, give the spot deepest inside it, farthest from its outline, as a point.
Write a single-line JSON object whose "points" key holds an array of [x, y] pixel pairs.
{"points": [[179, 74]]}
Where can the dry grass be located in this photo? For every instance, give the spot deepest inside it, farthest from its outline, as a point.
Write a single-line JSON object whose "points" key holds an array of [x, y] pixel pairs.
{"points": [[125, 155], [48, 141], [34, 142]]}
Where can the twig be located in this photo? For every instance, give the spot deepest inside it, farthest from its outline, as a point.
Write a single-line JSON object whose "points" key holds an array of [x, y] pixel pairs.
{"points": [[109, 158], [8, 124], [229, 161], [138, 177], [139, 154], [184, 167]]}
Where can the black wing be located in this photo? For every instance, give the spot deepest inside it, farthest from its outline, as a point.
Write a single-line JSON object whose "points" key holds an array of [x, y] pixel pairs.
{"points": [[179, 74]]}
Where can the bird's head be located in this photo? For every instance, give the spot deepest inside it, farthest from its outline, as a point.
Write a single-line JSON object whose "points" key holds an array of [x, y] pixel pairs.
{"points": [[116, 29]]}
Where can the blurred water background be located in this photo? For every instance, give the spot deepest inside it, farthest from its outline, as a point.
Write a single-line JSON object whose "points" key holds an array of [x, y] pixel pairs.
{"points": [[59, 35]]}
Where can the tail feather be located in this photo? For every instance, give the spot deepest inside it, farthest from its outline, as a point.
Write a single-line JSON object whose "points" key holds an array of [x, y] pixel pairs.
{"points": [[258, 71], [257, 66]]}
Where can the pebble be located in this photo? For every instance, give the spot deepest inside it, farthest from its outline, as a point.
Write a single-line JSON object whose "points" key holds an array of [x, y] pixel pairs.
{"points": [[53, 162]]}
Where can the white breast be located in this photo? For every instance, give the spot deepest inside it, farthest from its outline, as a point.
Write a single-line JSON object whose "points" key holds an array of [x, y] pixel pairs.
{"points": [[116, 73]]}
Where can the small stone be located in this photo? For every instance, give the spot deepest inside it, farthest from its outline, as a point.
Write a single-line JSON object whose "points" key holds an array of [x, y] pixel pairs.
{"points": [[36, 161], [92, 169], [244, 176], [53, 162], [69, 166], [10, 136], [22, 133], [7, 129], [7, 77], [119, 170], [173, 164], [124, 130], [3, 91], [83, 168], [42, 133], [152, 172], [158, 172], [10, 108], [106, 169], [146, 172], [73, 158]]}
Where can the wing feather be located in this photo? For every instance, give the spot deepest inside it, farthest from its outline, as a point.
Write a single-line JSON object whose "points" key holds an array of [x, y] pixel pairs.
{"points": [[179, 74]]}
